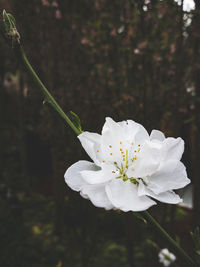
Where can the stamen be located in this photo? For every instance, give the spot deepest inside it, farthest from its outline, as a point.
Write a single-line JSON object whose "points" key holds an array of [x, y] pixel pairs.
{"points": [[113, 171], [127, 166], [120, 149], [97, 150], [111, 154], [123, 159], [120, 142], [103, 161], [132, 143], [110, 146], [126, 156], [135, 151]]}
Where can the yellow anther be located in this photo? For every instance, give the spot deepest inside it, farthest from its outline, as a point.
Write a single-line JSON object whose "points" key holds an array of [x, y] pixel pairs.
{"points": [[120, 142], [127, 166], [113, 171], [97, 150], [111, 154], [123, 156], [123, 159], [120, 149], [135, 151], [103, 161], [110, 146], [135, 158], [138, 149], [132, 143]]}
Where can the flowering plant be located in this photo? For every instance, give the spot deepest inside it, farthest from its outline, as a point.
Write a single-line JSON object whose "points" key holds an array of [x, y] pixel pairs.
{"points": [[166, 257], [130, 167]]}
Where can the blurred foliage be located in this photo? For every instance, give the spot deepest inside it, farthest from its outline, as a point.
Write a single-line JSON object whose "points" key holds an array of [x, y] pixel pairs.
{"points": [[131, 59]]}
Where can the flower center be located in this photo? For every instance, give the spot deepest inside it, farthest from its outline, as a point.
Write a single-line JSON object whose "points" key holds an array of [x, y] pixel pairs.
{"points": [[129, 154], [122, 174]]}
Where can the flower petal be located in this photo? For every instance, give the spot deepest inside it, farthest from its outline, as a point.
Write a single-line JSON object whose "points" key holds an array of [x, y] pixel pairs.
{"points": [[187, 196], [167, 197], [124, 196], [171, 175], [73, 177], [120, 136], [157, 135], [91, 143], [98, 176], [147, 161], [97, 195], [172, 148]]}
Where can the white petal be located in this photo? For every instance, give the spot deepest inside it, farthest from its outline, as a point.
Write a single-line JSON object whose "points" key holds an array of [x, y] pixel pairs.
{"points": [[134, 131], [147, 161], [97, 195], [187, 196], [98, 176], [172, 148], [73, 177], [121, 135], [157, 135], [167, 197], [124, 196], [91, 142], [141, 135], [171, 175]]}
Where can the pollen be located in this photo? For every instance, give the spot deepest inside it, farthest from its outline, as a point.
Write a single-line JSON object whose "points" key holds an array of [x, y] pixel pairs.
{"points": [[135, 158], [132, 143], [123, 159], [103, 161], [110, 146], [120, 149], [123, 156], [120, 142], [97, 150], [127, 166], [111, 154], [135, 151]]}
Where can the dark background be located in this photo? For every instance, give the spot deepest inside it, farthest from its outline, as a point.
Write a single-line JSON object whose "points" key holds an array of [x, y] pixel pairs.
{"points": [[126, 59]]}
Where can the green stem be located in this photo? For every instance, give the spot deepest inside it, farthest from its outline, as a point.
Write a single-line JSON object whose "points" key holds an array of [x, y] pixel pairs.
{"points": [[48, 97], [186, 259]]}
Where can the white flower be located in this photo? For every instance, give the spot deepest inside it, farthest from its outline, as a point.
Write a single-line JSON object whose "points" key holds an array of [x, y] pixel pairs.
{"points": [[166, 257], [130, 167]]}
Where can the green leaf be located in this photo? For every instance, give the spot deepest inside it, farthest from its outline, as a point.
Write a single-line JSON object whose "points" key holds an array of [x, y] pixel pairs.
{"points": [[76, 120]]}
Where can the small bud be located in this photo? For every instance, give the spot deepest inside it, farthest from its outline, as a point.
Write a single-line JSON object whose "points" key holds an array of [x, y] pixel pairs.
{"points": [[10, 28]]}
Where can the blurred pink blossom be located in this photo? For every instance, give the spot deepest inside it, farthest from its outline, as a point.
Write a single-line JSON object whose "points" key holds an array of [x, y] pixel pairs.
{"points": [[84, 41], [58, 14], [55, 4], [45, 3], [113, 32]]}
